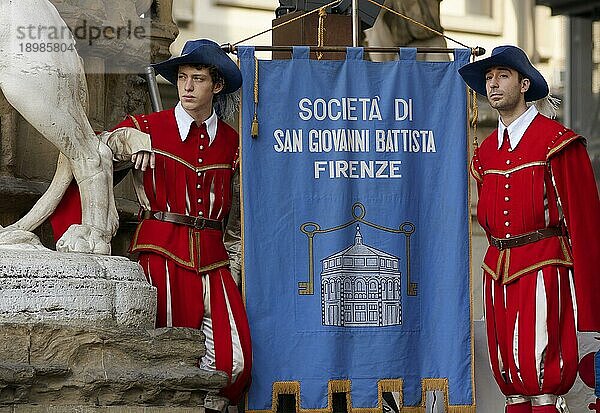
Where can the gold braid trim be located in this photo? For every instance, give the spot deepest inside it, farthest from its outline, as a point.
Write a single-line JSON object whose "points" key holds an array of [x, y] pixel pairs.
{"points": [[498, 267], [475, 173], [191, 263], [562, 145], [565, 248], [189, 165], [217, 264], [515, 169], [567, 261], [506, 264], [135, 122], [490, 271], [534, 267]]}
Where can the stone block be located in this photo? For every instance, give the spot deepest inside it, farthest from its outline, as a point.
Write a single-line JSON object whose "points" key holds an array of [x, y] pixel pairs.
{"points": [[74, 289], [55, 367]]}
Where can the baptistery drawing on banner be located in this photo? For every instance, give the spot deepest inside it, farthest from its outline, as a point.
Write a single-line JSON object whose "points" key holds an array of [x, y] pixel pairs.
{"points": [[360, 286]]}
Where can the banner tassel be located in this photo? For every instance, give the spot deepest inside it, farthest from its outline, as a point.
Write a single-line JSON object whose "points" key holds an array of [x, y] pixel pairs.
{"points": [[254, 127], [321, 31]]}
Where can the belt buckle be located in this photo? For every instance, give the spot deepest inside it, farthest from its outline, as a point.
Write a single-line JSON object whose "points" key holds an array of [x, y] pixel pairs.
{"points": [[199, 223], [501, 245]]}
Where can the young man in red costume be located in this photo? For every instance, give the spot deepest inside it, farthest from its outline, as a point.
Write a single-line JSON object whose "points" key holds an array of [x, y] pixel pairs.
{"points": [[188, 238], [539, 206]]}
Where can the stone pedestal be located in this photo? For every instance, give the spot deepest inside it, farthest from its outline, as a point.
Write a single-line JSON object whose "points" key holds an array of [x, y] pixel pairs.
{"points": [[76, 335], [74, 289]]}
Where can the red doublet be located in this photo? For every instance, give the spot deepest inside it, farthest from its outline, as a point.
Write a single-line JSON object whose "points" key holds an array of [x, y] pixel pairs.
{"points": [[189, 266], [545, 181], [191, 178]]}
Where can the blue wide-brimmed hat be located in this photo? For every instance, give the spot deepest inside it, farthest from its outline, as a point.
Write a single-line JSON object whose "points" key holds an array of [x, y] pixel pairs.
{"points": [[506, 56], [202, 52]]}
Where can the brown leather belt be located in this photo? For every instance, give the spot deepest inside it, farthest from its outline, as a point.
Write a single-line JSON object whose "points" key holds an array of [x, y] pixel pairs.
{"points": [[527, 238], [182, 219]]}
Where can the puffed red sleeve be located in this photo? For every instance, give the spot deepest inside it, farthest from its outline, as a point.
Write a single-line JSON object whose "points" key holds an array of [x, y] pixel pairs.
{"points": [[574, 177]]}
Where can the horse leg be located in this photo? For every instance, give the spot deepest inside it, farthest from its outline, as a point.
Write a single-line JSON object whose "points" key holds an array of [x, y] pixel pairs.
{"points": [[52, 101]]}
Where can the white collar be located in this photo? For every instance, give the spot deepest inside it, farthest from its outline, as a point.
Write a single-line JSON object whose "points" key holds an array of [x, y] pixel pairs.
{"points": [[185, 120], [517, 128]]}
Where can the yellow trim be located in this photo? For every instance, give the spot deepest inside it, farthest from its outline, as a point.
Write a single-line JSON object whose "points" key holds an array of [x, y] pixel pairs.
{"points": [[536, 266], [214, 166], [487, 269], [175, 158], [189, 165], [191, 263], [506, 264], [515, 169], [383, 385], [499, 264], [505, 270], [562, 145], [242, 238], [218, 264], [565, 248], [135, 122], [475, 172], [470, 223]]}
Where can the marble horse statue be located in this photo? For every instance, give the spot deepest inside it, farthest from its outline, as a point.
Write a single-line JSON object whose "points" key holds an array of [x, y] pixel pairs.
{"points": [[48, 88]]}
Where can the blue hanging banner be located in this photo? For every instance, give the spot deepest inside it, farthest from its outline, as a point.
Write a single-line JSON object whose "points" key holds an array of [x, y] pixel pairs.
{"points": [[356, 232]]}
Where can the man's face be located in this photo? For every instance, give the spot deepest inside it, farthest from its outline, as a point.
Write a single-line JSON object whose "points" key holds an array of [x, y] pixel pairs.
{"points": [[504, 89], [196, 89]]}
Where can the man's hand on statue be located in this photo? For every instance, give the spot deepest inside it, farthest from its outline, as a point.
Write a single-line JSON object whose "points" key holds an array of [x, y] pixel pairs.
{"points": [[141, 160], [124, 142]]}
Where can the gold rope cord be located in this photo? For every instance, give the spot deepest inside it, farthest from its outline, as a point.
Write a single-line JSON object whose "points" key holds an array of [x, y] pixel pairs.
{"points": [[254, 128], [321, 31], [474, 112]]}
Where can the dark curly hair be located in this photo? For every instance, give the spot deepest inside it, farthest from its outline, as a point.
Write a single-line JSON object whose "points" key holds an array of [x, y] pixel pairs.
{"points": [[214, 73]]}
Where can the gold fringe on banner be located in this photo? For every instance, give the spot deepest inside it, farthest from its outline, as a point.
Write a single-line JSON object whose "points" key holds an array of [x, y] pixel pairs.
{"points": [[285, 387], [433, 385], [390, 386], [340, 386], [384, 385]]}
